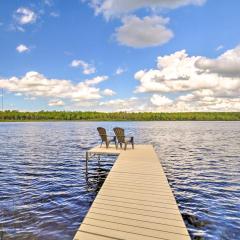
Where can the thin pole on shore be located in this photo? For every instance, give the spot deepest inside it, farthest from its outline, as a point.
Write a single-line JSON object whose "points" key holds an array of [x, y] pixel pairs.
{"points": [[2, 99]]}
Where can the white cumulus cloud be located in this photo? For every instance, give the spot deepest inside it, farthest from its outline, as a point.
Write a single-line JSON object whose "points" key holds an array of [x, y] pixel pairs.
{"points": [[131, 104], [22, 48], [226, 64], [25, 16], [108, 92], [139, 32], [146, 32], [220, 47], [120, 71], [96, 80], [160, 100], [179, 72], [54, 103], [113, 8], [34, 84], [87, 68], [202, 84]]}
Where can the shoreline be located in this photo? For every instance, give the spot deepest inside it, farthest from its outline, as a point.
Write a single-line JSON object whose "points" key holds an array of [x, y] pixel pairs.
{"points": [[50, 120], [57, 116]]}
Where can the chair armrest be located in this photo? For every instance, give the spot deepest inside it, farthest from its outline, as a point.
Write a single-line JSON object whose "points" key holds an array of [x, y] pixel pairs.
{"points": [[130, 138]]}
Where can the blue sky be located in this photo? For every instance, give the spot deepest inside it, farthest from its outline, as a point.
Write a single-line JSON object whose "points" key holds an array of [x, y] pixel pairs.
{"points": [[112, 55]]}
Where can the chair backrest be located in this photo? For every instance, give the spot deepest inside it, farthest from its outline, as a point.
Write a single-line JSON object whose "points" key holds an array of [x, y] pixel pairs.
{"points": [[102, 133], [119, 132]]}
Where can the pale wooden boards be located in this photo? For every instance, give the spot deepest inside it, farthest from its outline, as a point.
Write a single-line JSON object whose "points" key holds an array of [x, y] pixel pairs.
{"points": [[135, 201]]}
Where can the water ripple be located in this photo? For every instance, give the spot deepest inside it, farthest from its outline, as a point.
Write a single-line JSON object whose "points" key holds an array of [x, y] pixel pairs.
{"points": [[44, 193]]}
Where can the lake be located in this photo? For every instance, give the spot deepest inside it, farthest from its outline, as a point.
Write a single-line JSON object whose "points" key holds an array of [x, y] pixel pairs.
{"points": [[44, 193]]}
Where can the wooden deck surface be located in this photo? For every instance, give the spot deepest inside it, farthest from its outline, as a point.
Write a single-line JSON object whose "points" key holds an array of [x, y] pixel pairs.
{"points": [[135, 201]]}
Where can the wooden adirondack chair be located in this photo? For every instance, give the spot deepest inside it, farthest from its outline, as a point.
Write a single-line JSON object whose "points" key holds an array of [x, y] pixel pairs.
{"points": [[122, 139], [104, 137]]}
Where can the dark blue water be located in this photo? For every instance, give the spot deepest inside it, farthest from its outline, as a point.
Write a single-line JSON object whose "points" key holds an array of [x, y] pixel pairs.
{"points": [[44, 193]]}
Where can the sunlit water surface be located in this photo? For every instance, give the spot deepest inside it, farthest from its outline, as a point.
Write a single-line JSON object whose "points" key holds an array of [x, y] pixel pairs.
{"points": [[44, 193]]}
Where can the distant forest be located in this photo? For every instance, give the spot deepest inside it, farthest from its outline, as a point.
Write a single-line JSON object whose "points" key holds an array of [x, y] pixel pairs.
{"points": [[117, 116]]}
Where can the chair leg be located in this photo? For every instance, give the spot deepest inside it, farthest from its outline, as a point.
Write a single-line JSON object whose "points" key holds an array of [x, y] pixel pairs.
{"points": [[115, 141]]}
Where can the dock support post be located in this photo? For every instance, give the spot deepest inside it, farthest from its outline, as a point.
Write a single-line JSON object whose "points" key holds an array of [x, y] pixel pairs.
{"points": [[87, 157]]}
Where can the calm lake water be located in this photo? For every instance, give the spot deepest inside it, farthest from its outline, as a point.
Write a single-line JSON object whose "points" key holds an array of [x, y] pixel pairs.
{"points": [[44, 193]]}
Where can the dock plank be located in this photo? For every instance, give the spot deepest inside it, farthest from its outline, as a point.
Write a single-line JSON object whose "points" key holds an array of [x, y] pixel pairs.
{"points": [[135, 201]]}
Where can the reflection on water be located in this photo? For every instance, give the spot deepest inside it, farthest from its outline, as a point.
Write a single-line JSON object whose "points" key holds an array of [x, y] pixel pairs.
{"points": [[44, 194]]}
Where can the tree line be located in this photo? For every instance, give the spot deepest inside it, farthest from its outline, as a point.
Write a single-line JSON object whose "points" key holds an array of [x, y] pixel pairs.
{"points": [[118, 116]]}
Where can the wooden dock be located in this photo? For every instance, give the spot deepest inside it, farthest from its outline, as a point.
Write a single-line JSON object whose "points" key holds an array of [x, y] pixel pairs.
{"points": [[135, 201]]}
